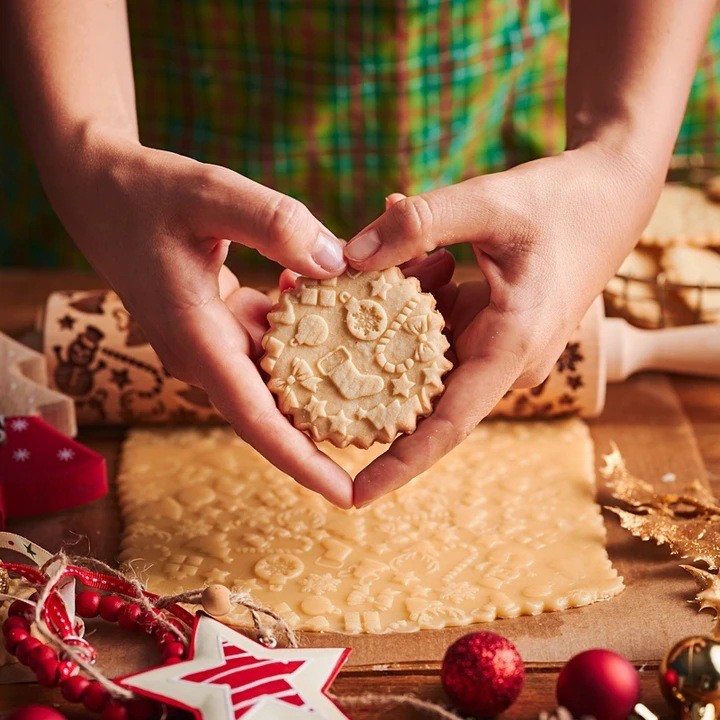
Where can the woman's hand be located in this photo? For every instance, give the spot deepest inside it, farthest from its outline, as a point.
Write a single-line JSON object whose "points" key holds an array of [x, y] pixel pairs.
{"points": [[158, 227], [547, 236]]}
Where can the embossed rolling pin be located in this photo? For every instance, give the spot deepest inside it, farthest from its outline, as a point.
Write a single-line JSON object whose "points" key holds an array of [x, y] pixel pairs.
{"points": [[99, 356], [604, 350]]}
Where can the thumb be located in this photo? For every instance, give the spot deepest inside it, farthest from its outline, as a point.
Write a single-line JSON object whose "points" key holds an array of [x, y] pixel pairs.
{"points": [[418, 224], [281, 228]]}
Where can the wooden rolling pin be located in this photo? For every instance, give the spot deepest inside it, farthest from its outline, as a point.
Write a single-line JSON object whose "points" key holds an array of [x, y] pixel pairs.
{"points": [[604, 350], [99, 356]]}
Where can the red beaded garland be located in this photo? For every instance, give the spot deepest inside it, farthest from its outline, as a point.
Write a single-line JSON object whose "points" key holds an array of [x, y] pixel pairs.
{"points": [[53, 671]]}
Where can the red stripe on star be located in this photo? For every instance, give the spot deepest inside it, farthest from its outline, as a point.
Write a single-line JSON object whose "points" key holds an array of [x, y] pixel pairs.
{"points": [[249, 678]]}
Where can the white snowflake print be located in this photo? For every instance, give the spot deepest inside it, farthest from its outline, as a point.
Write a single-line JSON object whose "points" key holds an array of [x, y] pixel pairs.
{"points": [[319, 584], [65, 454], [459, 591], [19, 424], [21, 455]]}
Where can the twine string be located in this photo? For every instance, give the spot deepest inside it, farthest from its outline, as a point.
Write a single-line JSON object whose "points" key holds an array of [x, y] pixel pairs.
{"points": [[56, 568], [426, 706], [54, 577]]}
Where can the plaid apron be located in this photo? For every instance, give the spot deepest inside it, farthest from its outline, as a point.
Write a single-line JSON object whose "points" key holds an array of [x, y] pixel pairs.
{"points": [[340, 102]]}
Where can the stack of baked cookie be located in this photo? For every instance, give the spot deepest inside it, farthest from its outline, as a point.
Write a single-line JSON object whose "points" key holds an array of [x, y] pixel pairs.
{"points": [[672, 277]]}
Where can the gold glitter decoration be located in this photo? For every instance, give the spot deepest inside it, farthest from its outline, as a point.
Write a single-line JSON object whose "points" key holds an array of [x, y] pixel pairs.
{"points": [[708, 596], [4, 581], [688, 522]]}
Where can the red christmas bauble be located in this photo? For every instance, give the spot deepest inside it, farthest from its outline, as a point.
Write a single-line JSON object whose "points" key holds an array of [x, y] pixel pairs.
{"points": [[36, 712], [482, 674], [600, 683]]}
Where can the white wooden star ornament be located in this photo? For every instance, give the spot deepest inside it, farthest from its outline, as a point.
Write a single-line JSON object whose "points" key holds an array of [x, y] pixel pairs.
{"points": [[227, 676]]}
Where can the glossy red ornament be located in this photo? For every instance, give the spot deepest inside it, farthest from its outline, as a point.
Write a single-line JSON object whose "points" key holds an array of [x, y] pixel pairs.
{"points": [[482, 674], [36, 712], [600, 683]]}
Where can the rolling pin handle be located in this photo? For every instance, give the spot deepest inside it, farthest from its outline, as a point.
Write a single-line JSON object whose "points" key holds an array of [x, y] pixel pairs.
{"points": [[692, 350]]}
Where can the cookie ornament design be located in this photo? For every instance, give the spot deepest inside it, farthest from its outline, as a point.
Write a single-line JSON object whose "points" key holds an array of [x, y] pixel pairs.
{"points": [[356, 359]]}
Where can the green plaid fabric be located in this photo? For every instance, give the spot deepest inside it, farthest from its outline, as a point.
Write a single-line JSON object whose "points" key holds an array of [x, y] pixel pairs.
{"points": [[339, 103]]}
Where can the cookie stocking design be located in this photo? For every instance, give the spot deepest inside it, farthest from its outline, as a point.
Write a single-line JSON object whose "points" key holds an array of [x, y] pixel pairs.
{"points": [[351, 383]]}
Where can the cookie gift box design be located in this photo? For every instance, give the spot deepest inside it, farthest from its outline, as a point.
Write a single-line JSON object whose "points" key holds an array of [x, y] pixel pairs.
{"points": [[97, 354]]}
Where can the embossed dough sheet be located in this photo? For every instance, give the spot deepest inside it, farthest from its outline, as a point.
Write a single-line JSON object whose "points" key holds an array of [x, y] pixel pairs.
{"points": [[645, 419]]}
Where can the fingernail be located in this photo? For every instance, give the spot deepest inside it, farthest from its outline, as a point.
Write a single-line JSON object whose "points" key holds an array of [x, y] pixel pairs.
{"points": [[328, 253], [363, 246]]}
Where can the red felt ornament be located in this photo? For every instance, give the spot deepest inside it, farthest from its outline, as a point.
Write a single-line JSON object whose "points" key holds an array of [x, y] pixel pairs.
{"points": [[600, 683], [482, 674], [42, 470], [36, 712]]}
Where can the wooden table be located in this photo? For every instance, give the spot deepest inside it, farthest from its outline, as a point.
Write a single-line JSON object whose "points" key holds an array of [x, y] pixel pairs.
{"points": [[23, 292]]}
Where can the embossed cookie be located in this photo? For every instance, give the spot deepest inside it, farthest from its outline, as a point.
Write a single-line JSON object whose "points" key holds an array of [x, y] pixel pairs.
{"points": [[633, 292], [698, 267], [358, 358], [683, 216]]}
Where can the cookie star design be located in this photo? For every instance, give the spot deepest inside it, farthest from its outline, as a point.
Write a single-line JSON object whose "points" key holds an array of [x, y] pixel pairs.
{"points": [[340, 423], [379, 288], [316, 408], [433, 375], [402, 385]]}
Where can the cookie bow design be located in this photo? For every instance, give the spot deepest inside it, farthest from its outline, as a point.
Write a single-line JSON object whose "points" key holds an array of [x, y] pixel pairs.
{"points": [[419, 326], [300, 373]]}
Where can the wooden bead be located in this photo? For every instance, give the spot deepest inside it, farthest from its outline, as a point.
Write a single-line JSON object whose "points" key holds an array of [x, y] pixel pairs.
{"points": [[110, 607], [24, 648], [95, 697], [87, 603], [128, 616], [16, 621], [14, 637], [74, 688], [47, 673], [216, 600], [114, 710], [173, 649]]}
